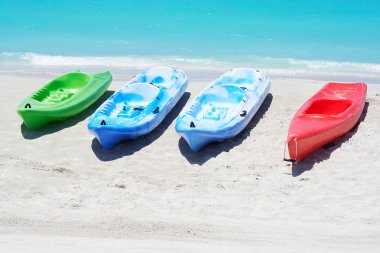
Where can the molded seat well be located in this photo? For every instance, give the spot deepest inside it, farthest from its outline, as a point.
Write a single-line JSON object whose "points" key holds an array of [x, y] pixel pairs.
{"points": [[219, 102], [134, 99], [162, 77], [239, 77], [62, 88], [328, 107]]}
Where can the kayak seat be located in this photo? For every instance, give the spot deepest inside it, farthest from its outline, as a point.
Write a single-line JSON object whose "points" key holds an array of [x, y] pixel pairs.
{"points": [[239, 77], [216, 113], [62, 88], [161, 77], [328, 107], [53, 96], [219, 103], [135, 99]]}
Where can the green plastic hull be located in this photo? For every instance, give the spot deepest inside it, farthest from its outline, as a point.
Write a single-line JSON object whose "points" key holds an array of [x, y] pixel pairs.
{"points": [[62, 98]]}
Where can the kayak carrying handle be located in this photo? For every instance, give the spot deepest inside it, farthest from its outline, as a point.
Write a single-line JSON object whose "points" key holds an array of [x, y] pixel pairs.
{"points": [[103, 123], [288, 159], [156, 110], [243, 113], [192, 124], [28, 105]]}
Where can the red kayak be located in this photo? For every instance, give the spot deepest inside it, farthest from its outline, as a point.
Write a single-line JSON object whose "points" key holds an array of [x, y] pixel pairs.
{"points": [[329, 114]]}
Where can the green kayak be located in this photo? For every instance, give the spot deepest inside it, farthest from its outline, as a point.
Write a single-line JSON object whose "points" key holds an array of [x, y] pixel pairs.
{"points": [[63, 98]]}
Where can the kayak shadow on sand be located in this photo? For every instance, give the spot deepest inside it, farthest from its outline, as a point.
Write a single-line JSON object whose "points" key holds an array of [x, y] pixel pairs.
{"points": [[325, 152], [59, 125], [129, 147], [214, 149]]}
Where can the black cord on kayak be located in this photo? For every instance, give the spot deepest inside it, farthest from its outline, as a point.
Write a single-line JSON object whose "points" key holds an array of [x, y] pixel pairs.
{"points": [[156, 110], [192, 124], [103, 123], [289, 160], [28, 105], [243, 113], [154, 85]]}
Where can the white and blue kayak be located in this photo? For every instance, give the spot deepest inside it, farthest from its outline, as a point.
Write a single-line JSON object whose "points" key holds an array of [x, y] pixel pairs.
{"points": [[138, 107], [224, 108]]}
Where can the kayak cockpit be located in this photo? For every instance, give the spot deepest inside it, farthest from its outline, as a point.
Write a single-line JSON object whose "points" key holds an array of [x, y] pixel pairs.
{"points": [[62, 88], [218, 104], [243, 78], [330, 107], [136, 99], [162, 77]]}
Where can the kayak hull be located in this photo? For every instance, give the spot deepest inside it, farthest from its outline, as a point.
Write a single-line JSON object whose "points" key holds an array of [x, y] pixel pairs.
{"points": [[63, 98], [328, 115], [224, 108], [120, 123]]}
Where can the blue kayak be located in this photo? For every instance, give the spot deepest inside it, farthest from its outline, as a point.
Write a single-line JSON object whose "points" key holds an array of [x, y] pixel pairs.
{"points": [[139, 106], [224, 108]]}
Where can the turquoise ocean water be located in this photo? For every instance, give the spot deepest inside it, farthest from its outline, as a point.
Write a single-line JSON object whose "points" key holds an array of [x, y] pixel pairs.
{"points": [[281, 36]]}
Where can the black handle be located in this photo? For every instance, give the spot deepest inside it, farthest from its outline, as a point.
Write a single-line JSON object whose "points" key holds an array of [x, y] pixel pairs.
{"points": [[289, 160]]}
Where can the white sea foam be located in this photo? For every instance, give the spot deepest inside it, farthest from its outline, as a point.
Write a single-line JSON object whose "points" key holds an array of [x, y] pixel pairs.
{"points": [[135, 62], [279, 67]]}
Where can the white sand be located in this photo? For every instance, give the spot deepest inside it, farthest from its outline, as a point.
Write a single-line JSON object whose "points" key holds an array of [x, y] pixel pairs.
{"points": [[61, 192]]}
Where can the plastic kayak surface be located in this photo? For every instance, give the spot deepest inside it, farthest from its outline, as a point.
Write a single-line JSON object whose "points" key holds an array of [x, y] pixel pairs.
{"points": [[329, 114], [138, 107], [224, 108], [63, 97]]}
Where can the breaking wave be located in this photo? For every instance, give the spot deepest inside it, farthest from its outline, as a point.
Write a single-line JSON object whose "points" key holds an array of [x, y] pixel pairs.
{"points": [[277, 67]]}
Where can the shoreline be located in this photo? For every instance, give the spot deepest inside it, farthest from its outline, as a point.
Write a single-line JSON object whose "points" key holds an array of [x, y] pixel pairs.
{"points": [[204, 76], [124, 67]]}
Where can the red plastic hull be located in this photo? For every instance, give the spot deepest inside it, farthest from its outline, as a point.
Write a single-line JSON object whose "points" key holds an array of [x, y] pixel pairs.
{"points": [[330, 113]]}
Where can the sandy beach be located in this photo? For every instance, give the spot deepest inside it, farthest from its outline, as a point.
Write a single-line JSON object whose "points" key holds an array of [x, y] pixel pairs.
{"points": [[60, 191]]}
